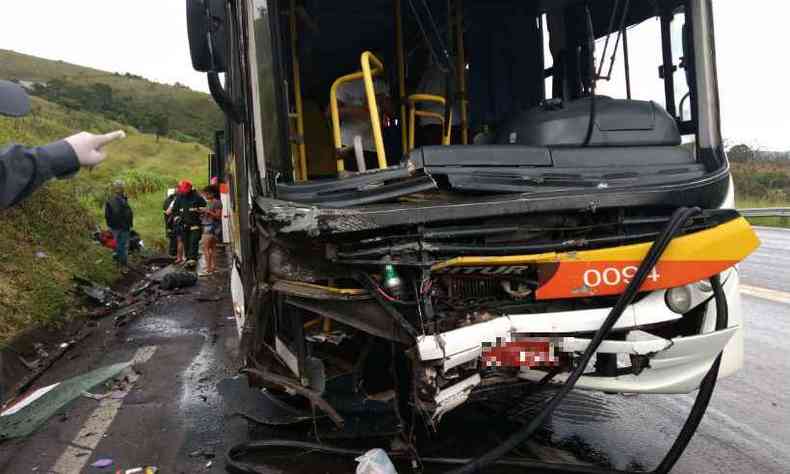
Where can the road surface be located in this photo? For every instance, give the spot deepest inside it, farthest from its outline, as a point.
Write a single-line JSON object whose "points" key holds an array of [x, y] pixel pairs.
{"points": [[174, 418]]}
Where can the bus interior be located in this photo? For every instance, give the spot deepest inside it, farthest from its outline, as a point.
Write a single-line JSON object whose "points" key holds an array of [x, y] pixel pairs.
{"points": [[486, 97]]}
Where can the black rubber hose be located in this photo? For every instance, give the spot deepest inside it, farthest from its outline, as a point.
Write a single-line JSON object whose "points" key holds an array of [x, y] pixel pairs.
{"points": [[656, 250], [706, 389], [247, 448]]}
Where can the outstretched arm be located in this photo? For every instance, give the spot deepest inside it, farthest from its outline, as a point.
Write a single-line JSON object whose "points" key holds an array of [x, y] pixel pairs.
{"points": [[23, 170]]}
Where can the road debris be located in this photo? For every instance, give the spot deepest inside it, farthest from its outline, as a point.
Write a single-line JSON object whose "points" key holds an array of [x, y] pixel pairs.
{"points": [[30, 411], [102, 463], [101, 295], [202, 453], [178, 279], [94, 396], [375, 461], [45, 361], [30, 365], [208, 298], [240, 399], [139, 470]]}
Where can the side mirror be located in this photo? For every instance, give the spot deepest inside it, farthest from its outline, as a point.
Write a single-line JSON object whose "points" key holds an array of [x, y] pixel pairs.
{"points": [[206, 31]]}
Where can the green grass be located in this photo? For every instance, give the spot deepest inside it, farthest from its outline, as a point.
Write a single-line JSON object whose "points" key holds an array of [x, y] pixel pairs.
{"points": [[37, 289], [146, 165], [192, 115], [59, 219]]}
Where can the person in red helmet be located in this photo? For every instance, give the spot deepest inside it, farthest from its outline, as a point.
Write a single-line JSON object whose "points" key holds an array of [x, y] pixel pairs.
{"points": [[188, 208]]}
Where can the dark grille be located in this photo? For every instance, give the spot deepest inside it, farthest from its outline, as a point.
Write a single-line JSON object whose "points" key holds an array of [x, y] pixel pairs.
{"points": [[460, 288]]}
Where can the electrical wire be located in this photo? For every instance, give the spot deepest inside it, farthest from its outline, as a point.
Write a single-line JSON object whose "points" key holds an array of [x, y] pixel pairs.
{"points": [[626, 298], [608, 35], [496, 456], [591, 38]]}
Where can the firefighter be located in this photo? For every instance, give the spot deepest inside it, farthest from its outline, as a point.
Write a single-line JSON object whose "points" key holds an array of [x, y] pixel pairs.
{"points": [[188, 211], [173, 236], [22, 169]]}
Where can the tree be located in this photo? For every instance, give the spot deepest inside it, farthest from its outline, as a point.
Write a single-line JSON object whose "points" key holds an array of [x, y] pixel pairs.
{"points": [[741, 153], [161, 124]]}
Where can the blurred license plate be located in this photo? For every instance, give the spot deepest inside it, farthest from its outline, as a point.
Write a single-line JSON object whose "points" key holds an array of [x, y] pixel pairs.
{"points": [[525, 352]]}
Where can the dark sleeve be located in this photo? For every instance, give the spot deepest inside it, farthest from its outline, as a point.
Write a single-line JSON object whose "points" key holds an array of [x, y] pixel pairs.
{"points": [[200, 202], [22, 170], [131, 218], [108, 214]]}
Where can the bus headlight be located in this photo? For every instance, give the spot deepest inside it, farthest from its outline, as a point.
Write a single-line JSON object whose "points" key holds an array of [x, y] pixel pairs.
{"points": [[679, 299]]}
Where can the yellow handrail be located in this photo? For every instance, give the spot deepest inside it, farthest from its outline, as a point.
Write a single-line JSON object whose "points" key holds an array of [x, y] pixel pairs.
{"points": [[378, 136], [414, 113], [367, 76]]}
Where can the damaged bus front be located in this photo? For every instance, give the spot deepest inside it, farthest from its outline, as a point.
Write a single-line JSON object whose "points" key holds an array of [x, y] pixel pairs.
{"points": [[435, 200]]}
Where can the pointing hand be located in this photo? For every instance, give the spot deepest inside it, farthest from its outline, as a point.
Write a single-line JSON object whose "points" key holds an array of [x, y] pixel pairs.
{"points": [[88, 147]]}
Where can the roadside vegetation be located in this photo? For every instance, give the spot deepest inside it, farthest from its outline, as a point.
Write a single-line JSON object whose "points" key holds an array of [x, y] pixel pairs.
{"points": [[175, 112], [47, 239], [762, 179]]}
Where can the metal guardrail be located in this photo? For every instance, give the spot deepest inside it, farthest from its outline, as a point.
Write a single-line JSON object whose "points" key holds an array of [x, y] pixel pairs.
{"points": [[766, 212]]}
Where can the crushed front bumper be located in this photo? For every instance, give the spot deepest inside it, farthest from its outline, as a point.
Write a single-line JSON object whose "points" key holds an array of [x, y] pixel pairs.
{"points": [[676, 365]]}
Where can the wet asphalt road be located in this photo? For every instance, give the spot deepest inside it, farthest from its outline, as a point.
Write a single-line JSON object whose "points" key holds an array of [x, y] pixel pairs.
{"points": [[769, 266], [174, 410]]}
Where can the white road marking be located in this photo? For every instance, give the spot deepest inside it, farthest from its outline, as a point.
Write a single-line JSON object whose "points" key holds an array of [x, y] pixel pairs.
{"points": [[766, 294], [77, 454]]}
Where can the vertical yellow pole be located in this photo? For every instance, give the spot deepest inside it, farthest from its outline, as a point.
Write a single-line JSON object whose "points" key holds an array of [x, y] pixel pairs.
{"points": [[375, 119], [401, 71], [297, 80], [461, 70]]}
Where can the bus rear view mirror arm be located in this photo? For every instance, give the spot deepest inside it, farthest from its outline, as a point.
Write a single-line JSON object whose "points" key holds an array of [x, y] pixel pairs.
{"points": [[231, 109]]}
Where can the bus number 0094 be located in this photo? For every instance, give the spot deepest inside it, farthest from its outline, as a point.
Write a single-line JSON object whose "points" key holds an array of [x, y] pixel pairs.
{"points": [[613, 276]]}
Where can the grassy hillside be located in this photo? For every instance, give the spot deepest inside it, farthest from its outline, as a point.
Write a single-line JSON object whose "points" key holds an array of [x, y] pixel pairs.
{"points": [[146, 164], [179, 112], [57, 221]]}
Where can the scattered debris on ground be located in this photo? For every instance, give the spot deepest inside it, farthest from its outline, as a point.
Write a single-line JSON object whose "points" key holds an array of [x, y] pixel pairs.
{"points": [[38, 406], [202, 453], [178, 279], [102, 463], [375, 461], [29, 412]]}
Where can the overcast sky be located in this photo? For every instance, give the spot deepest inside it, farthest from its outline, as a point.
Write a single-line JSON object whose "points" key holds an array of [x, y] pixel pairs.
{"points": [[148, 37]]}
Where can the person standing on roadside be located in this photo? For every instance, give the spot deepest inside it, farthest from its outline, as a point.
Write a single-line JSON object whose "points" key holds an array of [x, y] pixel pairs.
{"points": [[120, 220], [212, 226], [188, 210], [170, 227]]}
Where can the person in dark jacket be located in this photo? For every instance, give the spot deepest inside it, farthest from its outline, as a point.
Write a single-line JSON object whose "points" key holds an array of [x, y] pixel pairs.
{"points": [[171, 229], [188, 211], [120, 220], [23, 170]]}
